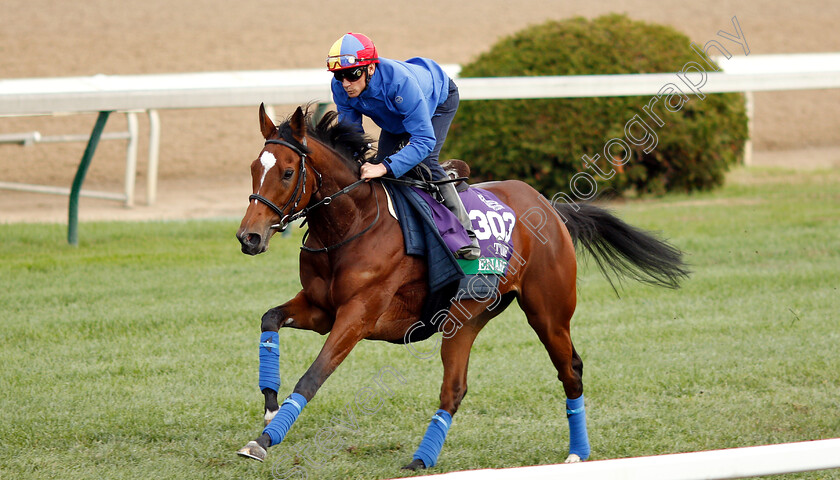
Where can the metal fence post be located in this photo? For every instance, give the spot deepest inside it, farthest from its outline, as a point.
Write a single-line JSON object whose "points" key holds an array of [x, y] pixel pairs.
{"points": [[73, 210]]}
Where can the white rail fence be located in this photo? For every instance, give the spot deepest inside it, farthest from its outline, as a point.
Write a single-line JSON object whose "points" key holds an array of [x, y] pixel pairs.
{"points": [[149, 93], [709, 465], [131, 135]]}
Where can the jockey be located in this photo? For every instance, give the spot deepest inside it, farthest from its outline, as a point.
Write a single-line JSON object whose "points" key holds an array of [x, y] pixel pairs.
{"points": [[411, 101]]}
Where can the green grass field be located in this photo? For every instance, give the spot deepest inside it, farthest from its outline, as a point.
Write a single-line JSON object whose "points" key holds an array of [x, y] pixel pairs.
{"points": [[135, 354]]}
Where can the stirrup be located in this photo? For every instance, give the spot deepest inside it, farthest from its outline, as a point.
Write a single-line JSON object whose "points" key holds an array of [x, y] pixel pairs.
{"points": [[471, 251], [468, 253]]}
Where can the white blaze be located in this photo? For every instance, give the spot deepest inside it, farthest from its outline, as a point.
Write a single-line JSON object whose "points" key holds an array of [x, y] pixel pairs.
{"points": [[268, 161]]}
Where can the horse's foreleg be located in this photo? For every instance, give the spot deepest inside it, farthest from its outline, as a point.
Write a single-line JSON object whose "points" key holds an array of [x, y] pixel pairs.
{"points": [[296, 313], [345, 334]]}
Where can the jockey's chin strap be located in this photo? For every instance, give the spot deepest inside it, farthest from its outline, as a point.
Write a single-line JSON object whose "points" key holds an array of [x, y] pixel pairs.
{"points": [[297, 195]]}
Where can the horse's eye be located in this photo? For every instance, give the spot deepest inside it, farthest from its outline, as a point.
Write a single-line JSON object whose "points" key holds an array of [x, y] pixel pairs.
{"points": [[288, 174]]}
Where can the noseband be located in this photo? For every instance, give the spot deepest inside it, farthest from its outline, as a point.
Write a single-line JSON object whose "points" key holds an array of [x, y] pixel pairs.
{"points": [[297, 195]]}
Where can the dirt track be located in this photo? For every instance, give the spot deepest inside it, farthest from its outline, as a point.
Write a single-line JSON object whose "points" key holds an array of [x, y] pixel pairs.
{"points": [[205, 153]]}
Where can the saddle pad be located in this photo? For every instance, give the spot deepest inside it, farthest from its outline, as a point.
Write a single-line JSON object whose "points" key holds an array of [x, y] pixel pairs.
{"points": [[492, 223], [477, 287], [447, 223], [422, 237]]}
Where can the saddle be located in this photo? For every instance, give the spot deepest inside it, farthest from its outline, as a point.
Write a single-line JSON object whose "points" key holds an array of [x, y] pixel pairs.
{"points": [[493, 222], [457, 169]]}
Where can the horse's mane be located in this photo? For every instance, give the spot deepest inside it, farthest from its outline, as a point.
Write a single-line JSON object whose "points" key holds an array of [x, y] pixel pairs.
{"points": [[346, 140]]}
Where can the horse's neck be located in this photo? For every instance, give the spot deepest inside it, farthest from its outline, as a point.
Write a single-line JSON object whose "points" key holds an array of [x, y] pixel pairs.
{"points": [[331, 223]]}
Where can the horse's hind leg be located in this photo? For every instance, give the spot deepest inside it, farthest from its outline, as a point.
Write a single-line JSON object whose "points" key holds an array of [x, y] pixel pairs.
{"points": [[455, 353], [460, 329], [550, 319]]}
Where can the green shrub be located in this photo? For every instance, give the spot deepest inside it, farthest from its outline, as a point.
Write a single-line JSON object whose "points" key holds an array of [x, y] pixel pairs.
{"points": [[543, 141]]}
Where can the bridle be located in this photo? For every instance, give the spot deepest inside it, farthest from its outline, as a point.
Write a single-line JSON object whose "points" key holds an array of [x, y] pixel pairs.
{"points": [[297, 195]]}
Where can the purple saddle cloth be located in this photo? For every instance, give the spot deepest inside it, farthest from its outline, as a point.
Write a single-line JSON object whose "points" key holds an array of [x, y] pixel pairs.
{"points": [[492, 223]]}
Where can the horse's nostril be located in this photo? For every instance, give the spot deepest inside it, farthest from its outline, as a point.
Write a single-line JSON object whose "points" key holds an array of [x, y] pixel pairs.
{"points": [[249, 241], [252, 239]]}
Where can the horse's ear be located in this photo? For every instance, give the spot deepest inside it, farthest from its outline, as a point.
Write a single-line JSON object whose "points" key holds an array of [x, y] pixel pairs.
{"points": [[266, 125], [298, 124]]}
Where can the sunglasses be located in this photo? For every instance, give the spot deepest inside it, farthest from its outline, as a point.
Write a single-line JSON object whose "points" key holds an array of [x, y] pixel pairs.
{"points": [[351, 74]]}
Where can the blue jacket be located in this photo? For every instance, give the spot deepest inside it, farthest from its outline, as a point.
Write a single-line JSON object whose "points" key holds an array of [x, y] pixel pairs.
{"points": [[401, 97]]}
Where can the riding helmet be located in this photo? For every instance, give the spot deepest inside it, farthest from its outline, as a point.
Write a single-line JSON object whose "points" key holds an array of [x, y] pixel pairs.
{"points": [[352, 50]]}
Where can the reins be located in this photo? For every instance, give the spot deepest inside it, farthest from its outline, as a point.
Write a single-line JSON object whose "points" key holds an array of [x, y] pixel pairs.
{"points": [[430, 186], [300, 190], [350, 239]]}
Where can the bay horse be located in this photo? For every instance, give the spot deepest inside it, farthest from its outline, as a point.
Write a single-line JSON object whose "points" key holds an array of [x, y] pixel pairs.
{"points": [[358, 283]]}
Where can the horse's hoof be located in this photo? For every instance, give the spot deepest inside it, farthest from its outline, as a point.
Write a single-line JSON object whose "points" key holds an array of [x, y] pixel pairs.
{"points": [[573, 458], [269, 415], [252, 450], [417, 464]]}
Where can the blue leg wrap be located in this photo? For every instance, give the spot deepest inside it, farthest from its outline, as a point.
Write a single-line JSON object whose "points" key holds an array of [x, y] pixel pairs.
{"points": [[270, 361], [578, 438], [433, 440], [282, 422]]}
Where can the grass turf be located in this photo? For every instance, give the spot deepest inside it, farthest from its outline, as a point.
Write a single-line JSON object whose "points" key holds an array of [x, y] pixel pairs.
{"points": [[135, 354]]}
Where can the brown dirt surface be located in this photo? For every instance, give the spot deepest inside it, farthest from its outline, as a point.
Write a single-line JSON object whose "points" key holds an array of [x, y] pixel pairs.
{"points": [[205, 154]]}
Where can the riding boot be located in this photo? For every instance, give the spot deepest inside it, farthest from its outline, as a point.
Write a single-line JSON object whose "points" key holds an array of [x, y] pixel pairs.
{"points": [[453, 202]]}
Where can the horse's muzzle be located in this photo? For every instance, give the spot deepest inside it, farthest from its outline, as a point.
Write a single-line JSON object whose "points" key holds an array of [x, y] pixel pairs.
{"points": [[252, 243]]}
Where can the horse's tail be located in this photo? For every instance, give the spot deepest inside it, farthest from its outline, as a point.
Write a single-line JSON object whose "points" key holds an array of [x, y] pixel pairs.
{"points": [[623, 249]]}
